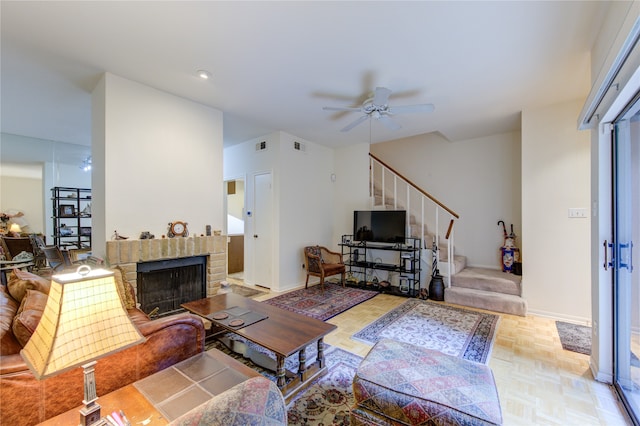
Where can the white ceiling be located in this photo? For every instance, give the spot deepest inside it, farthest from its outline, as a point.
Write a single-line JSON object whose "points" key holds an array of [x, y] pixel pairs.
{"points": [[276, 64]]}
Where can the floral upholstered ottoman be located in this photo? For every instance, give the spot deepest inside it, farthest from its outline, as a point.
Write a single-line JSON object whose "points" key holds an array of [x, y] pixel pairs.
{"points": [[402, 384]]}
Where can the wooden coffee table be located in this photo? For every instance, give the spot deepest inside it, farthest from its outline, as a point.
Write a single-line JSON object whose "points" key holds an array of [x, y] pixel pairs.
{"points": [[283, 332]]}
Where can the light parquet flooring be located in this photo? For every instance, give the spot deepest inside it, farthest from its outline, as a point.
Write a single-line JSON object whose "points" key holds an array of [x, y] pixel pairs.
{"points": [[539, 383]]}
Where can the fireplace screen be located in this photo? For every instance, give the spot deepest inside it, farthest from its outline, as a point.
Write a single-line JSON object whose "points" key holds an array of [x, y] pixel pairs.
{"points": [[166, 284]]}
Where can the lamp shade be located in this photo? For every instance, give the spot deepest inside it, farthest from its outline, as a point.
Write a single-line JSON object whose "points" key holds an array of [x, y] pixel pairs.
{"points": [[15, 228], [83, 320]]}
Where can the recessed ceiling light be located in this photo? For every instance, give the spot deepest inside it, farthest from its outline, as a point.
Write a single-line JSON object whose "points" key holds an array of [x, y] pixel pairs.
{"points": [[204, 74]]}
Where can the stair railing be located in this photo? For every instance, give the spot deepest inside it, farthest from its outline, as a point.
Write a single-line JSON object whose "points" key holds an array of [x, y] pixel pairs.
{"points": [[429, 208]]}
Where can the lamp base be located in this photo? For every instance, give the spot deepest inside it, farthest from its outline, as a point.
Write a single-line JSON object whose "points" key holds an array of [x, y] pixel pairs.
{"points": [[90, 415]]}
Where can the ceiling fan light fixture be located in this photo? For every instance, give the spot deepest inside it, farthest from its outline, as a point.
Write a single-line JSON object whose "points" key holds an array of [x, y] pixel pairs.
{"points": [[377, 107], [204, 74]]}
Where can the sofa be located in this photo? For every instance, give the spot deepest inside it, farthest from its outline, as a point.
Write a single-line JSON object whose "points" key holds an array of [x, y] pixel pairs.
{"points": [[24, 400]]}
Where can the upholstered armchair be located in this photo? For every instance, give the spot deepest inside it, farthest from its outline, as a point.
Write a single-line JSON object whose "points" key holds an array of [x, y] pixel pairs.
{"points": [[322, 262]]}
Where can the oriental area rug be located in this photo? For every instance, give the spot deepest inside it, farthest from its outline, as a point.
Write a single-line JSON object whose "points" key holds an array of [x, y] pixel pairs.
{"points": [[454, 331], [320, 305], [327, 401]]}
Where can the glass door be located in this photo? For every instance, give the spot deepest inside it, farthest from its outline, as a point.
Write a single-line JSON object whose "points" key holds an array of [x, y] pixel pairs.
{"points": [[626, 228]]}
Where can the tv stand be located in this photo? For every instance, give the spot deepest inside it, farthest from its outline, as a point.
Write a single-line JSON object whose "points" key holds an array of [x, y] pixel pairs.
{"points": [[360, 261]]}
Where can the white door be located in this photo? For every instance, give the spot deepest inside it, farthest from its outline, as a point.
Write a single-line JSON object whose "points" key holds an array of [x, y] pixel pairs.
{"points": [[262, 229]]}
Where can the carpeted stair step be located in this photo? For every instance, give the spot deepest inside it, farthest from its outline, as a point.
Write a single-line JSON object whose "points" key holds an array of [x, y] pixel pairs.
{"points": [[488, 280], [386, 205], [459, 264], [481, 299]]}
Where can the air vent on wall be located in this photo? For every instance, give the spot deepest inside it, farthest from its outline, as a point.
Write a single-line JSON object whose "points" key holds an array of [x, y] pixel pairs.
{"points": [[299, 146], [261, 146]]}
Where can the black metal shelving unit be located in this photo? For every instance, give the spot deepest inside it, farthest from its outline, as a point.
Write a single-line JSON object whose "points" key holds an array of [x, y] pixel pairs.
{"points": [[71, 217], [359, 260]]}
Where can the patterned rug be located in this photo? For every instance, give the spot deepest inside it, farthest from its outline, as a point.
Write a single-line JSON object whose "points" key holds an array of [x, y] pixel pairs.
{"points": [[577, 338], [328, 399], [574, 337], [316, 304], [455, 331]]}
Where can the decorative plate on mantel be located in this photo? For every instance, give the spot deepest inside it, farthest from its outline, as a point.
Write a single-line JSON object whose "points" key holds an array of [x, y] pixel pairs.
{"points": [[177, 229]]}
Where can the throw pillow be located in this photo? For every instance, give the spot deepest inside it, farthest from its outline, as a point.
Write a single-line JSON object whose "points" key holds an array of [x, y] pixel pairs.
{"points": [[8, 310], [20, 281], [28, 316], [123, 288]]}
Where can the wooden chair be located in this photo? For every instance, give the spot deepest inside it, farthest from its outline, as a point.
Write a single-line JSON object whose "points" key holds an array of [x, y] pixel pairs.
{"points": [[58, 259], [37, 243], [322, 262]]}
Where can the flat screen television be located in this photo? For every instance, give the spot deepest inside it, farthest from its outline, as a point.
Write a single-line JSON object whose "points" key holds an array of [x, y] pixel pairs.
{"points": [[382, 226]]}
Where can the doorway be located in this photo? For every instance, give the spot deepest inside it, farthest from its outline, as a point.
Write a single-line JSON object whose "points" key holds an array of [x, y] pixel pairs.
{"points": [[626, 231], [235, 228]]}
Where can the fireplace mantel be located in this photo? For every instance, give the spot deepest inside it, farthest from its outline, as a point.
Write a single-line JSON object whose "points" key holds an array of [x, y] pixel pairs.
{"points": [[127, 254]]}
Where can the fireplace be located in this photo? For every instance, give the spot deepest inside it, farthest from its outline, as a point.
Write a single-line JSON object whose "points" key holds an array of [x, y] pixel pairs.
{"points": [[166, 284], [130, 254]]}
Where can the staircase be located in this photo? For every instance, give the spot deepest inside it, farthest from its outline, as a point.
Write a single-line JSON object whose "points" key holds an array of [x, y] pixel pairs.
{"points": [[489, 289], [482, 288]]}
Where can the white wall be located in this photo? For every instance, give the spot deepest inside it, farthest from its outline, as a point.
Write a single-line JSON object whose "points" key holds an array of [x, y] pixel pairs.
{"points": [[161, 158], [479, 179], [555, 177], [20, 194], [351, 188], [305, 205], [303, 200]]}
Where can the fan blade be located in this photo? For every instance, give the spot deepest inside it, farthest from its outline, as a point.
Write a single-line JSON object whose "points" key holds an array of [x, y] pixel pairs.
{"points": [[341, 109], [354, 124], [403, 109], [381, 96], [389, 123]]}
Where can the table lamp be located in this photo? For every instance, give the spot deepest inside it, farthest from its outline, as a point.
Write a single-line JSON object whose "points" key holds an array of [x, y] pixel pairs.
{"points": [[15, 230], [83, 320]]}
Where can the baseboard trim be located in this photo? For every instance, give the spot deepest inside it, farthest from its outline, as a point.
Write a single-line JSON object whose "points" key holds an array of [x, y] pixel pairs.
{"points": [[561, 317], [599, 375]]}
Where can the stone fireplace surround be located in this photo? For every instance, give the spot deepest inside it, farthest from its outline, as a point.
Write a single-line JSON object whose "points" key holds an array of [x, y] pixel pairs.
{"points": [[128, 253]]}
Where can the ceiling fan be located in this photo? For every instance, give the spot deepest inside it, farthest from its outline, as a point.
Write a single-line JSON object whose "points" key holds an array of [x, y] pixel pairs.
{"points": [[377, 107]]}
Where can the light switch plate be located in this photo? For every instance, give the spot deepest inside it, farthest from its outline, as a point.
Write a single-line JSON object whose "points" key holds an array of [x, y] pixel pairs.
{"points": [[575, 213]]}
